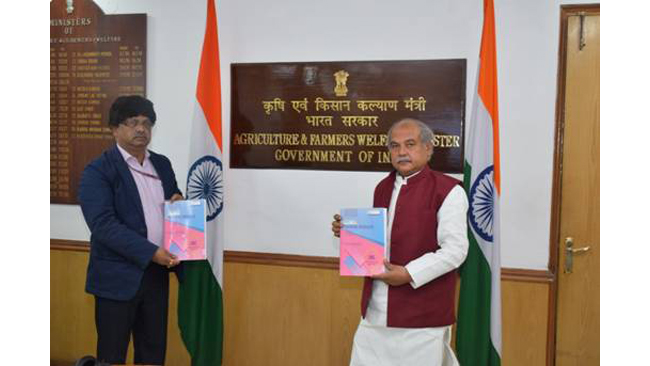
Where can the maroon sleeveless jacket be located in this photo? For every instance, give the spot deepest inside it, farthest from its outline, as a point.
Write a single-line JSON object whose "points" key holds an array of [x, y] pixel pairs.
{"points": [[413, 234]]}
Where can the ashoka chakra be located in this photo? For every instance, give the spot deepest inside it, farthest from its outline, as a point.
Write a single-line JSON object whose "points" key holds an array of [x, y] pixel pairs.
{"points": [[205, 180], [481, 204]]}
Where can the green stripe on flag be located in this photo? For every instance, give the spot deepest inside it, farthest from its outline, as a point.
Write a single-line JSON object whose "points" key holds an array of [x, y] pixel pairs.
{"points": [[473, 343], [200, 313]]}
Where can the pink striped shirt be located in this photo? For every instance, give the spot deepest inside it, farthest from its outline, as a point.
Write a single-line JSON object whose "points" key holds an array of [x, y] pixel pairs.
{"points": [[151, 193]]}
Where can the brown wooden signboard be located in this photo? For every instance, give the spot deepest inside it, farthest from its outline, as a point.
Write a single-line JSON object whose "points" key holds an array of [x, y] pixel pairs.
{"points": [[94, 58], [335, 115]]}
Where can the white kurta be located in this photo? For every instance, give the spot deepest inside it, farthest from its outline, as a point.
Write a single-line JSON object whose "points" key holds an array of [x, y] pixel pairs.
{"points": [[376, 344]]}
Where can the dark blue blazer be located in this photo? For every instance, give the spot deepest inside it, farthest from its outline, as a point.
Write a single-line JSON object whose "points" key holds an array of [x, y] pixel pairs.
{"points": [[111, 205]]}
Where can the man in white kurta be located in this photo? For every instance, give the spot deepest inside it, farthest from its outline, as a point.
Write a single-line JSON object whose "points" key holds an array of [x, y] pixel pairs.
{"points": [[375, 343]]}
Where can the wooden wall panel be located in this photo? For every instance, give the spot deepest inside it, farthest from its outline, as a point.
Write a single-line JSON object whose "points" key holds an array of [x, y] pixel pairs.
{"points": [[281, 315], [72, 312], [288, 315], [72, 322], [525, 318]]}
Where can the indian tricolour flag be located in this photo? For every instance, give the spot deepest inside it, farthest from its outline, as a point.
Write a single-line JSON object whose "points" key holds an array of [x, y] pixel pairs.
{"points": [[200, 303], [478, 338]]}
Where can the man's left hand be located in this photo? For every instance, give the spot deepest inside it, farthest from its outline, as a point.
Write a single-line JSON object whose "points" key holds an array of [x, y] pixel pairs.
{"points": [[395, 275], [176, 197]]}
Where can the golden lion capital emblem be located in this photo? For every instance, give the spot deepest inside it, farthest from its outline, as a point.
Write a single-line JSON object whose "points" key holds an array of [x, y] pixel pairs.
{"points": [[341, 78]]}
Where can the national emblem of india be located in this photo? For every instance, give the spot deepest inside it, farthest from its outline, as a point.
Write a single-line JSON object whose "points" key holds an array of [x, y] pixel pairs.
{"points": [[341, 78]]}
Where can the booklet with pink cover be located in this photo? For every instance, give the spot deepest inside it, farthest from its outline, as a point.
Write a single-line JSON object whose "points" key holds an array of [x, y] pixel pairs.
{"points": [[363, 241], [185, 229]]}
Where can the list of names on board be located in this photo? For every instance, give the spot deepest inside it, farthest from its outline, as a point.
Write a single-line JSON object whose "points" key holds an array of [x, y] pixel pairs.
{"points": [[94, 58]]}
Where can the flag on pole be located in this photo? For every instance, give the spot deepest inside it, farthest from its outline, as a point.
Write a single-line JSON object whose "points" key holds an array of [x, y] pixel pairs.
{"points": [[200, 302], [478, 336]]}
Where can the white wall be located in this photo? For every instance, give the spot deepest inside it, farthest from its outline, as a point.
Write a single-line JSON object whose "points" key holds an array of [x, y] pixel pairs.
{"points": [[289, 211]]}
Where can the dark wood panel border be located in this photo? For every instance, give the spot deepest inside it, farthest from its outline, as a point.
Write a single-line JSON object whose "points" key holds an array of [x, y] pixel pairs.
{"points": [[527, 275], [290, 260], [69, 245]]}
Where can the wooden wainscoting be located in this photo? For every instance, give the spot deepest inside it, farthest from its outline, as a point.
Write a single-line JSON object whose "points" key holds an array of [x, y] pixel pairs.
{"points": [[72, 324], [283, 310], [72, 310], [525, 322], [278, 315]]}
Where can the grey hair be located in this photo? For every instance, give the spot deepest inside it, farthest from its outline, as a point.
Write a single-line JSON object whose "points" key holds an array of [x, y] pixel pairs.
{"points": [[426, 135]]}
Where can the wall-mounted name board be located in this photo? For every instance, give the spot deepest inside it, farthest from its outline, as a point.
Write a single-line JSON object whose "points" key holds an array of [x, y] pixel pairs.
{"points": [[94, 58], [335, 115]]}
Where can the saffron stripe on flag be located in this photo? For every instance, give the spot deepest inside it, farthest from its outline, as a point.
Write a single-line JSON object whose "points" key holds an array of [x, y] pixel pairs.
{"points": [[207, 94]]}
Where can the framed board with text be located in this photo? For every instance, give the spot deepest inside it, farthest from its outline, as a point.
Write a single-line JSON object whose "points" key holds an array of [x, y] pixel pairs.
{"points": [[94, 58], [335, 115]]}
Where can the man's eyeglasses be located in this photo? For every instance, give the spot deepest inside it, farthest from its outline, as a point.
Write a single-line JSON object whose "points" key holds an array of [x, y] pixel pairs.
{"points": [[133, 122]]}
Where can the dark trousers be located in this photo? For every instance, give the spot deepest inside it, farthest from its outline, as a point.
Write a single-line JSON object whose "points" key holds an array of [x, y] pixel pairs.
{"points": [[144, 316]]}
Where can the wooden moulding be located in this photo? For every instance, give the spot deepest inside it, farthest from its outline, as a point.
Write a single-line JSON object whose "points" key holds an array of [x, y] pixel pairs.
{"points": [[290, 260]]}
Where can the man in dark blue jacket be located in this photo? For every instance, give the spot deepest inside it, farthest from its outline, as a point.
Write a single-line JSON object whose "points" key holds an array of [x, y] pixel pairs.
{"points": [[121, 195]]}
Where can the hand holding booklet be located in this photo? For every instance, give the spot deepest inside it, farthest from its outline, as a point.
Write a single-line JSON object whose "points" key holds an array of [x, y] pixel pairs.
{"points": [[363, 241], [185, 229]]}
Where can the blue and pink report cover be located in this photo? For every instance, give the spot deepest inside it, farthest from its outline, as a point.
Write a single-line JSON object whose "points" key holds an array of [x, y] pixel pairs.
{"points": [[363, 241], [185, 229]]}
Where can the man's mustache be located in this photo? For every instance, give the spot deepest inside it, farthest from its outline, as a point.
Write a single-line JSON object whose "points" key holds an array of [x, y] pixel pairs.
{"points": [[403, 160]]}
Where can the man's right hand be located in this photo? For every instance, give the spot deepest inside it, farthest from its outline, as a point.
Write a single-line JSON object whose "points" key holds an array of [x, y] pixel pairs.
{"points": [[336, 225], [165, 258]]}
